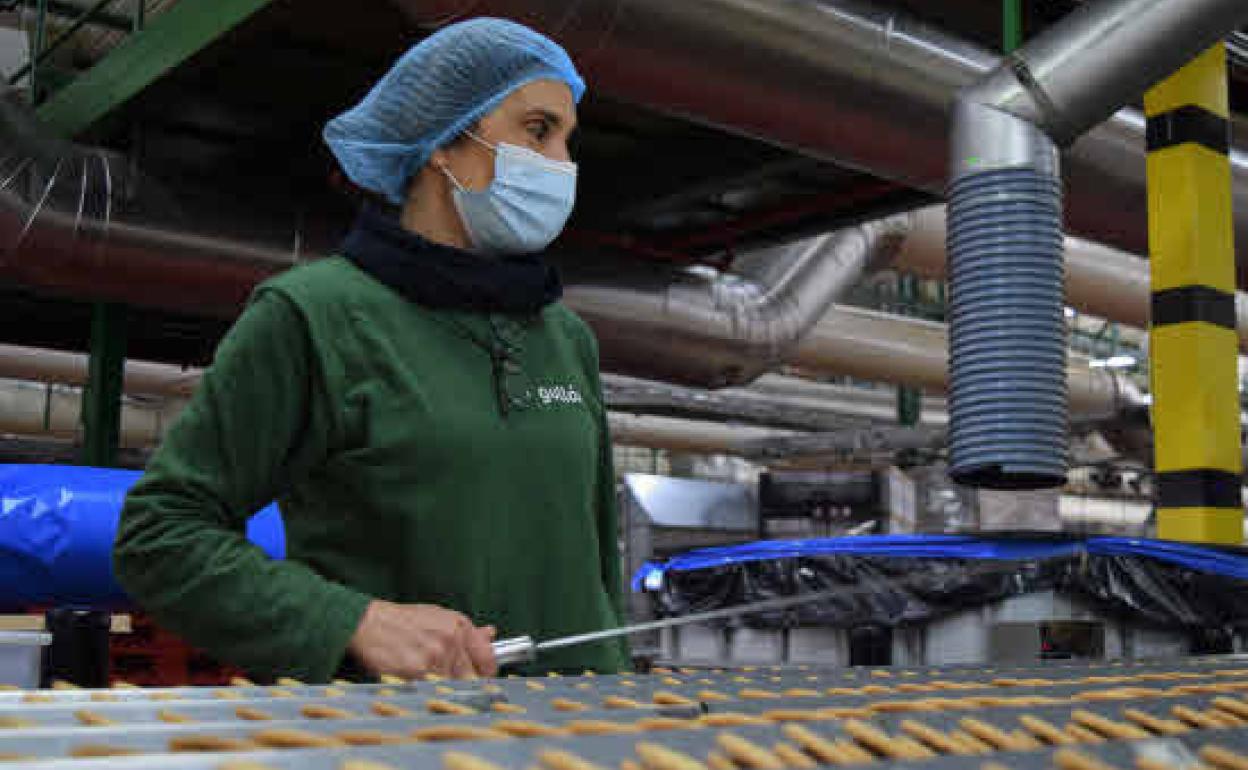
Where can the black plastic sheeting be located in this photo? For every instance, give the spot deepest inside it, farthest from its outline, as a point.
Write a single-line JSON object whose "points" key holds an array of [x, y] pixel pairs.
{"points": [[894, 592]]}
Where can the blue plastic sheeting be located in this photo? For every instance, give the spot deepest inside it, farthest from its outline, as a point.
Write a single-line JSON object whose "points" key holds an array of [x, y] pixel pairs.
{"points": [[57, 525], [1201, 559]]}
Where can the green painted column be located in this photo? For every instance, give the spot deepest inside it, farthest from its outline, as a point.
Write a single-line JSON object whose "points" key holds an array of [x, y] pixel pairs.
{"points": [[101, 399], [909, 400]]}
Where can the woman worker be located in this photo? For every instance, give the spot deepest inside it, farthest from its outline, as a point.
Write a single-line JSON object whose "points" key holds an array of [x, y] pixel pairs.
{"points": [[427, 414]]}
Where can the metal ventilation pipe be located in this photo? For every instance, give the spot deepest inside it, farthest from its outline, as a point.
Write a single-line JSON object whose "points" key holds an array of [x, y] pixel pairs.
{"points": [[1005, 238], [725, 330]]}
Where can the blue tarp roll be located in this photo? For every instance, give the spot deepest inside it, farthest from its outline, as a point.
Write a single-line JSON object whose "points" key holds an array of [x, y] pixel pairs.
{"points": [[1204, 559], [57, 524]]}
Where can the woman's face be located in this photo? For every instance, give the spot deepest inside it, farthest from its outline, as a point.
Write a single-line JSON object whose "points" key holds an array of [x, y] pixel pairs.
{"points": [[540, 116]]}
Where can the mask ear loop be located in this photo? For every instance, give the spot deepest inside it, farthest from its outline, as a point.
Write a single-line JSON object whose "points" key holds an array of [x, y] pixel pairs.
{"points": [[473, 136], [447, 173]]}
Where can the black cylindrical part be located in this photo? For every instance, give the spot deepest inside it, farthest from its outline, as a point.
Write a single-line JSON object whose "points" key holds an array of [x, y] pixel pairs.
{"points": [[79, 649]]}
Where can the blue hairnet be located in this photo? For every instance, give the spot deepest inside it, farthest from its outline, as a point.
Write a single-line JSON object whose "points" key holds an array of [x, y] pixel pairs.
{"points": [[440, 87]]}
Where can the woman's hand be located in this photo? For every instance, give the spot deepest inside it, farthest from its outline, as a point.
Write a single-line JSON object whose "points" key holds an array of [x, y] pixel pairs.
{"points": [[408, 640]]}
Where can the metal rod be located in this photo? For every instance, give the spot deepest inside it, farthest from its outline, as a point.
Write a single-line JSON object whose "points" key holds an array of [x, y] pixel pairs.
{"points": [[699, 617]]}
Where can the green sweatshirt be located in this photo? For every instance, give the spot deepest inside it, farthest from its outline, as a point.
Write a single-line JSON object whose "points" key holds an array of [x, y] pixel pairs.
{"points": [[409, 464]]}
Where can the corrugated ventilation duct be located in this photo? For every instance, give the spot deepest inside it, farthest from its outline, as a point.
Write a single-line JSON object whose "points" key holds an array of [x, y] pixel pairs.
{"points": [[1007, 389]]}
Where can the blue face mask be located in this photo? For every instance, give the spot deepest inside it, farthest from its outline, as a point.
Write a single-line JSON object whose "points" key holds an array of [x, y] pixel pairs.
{"points": [[524, 208]]}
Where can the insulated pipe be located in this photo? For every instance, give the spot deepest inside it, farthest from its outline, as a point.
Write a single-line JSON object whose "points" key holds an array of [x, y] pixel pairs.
{"points": [[770, 400], [724, 330], [59, 232], [681, 435], [909, 351], [32, 409], [1007, 393], [1100, 280], [57, 366]]}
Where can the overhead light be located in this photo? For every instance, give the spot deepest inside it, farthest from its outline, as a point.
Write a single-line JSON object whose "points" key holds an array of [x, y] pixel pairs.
{"points": [[1113, 362]]}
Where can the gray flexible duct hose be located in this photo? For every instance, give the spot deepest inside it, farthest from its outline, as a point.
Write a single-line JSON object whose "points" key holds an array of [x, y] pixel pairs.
{"points": [[1007, 398]]}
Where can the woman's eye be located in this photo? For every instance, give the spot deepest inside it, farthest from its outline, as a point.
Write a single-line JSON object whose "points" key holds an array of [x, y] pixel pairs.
{"points": [[539, 130]]}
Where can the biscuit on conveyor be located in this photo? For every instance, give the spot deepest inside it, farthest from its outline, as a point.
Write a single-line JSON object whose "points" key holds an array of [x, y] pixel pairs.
{"points": [[713, 695], [1232, 705], [321, 711], [369, 737], [279, 738], [747, 753], [460, 760], [656, 757], [526, 729], [793, 757], [1109, 728], [1155, 725], [208, 743], [819, 747], [935, 739], [383, 709], [1223, 758], [440, 706], [599, 727], [665, 698], [457, 733], [717, 761], [14, 723], [555, 759], [92, 719], [101, 750], [38, 697], [1045, 730]]}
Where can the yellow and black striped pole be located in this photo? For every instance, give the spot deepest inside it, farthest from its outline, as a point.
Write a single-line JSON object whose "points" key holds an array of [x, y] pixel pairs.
{"points": [[1194, 347]]}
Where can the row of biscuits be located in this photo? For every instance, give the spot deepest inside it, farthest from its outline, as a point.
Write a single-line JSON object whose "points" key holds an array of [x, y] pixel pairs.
{"points": [[769, 747], [1028, 723], [865, 681]]}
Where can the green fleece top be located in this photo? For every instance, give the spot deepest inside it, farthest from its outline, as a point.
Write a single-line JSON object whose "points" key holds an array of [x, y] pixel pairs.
{"points": [[409, 464]]}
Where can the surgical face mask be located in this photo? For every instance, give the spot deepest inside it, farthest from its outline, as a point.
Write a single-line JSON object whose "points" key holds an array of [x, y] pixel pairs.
{"points": [[524, 208]]}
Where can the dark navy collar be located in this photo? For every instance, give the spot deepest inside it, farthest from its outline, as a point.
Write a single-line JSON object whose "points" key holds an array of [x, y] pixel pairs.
{"points": [[443, 277]]}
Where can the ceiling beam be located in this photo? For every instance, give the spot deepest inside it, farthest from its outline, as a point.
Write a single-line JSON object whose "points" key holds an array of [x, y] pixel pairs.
{"points": [[169, 40]]}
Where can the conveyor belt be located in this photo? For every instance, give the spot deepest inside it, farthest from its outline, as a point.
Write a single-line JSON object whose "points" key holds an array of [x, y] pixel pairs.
{"points": [[1149, 715]]}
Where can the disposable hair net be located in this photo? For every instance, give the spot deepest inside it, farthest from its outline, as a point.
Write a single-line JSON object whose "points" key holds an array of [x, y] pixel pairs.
{"points": [[440, 87]]}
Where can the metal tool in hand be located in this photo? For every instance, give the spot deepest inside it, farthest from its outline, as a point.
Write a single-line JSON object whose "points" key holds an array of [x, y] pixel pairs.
{"points": [[521, 649]]}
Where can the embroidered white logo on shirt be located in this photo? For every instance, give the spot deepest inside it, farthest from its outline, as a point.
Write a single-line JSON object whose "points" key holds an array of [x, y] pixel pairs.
{"points": [[559, 394]]}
